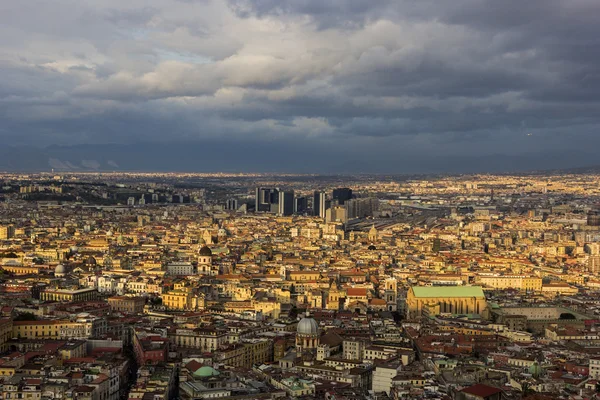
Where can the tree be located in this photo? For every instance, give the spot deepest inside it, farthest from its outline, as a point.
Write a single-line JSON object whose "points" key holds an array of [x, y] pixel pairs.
{"points": [[566, 316], [27, 316]]}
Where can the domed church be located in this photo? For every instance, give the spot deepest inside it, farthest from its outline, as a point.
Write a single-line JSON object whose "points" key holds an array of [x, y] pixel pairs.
{"points": [[205, 266], [60, 271], [307, 334]]}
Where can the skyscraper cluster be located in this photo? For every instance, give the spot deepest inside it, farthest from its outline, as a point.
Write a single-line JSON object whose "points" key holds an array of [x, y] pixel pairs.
{"points": [[340, 206]]}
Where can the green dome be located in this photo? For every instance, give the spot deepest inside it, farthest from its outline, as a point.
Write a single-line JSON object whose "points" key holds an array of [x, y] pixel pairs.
{"points": [[206, 371], [536, 370]]}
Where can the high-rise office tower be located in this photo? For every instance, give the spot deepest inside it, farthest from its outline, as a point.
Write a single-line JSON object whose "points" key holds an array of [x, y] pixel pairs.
{"points": [[316, 201], [265, 198], [337, 214], [232, 204], [7, 232], [361, 208], [286, 203], [342, 195], [593, 218], [320, 204], [299, 205]]}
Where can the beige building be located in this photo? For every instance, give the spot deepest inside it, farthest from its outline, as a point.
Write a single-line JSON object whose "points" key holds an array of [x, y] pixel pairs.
{"points": [[74, 349], [7, 232], [21, 270], [204, 339], [436, 300], [520, 282], [6, 332], [559, 288], [49, 329], [248, 353], [133, 305], [71, 296], [182, 297]]}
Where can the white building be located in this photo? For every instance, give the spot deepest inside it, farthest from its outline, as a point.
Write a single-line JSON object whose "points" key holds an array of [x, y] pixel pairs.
{"points": [[383, 376], [180, 269], [595, 367]]}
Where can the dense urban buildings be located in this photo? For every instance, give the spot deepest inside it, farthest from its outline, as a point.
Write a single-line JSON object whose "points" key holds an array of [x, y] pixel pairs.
{"points": [[253, 286]]}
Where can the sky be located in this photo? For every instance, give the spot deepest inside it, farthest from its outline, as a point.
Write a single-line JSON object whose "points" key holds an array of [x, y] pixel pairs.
{"points": [[381, 79]]}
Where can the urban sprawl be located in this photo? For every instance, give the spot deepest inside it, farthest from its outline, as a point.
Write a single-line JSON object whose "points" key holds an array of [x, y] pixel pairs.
{"points": [[152, 286]]}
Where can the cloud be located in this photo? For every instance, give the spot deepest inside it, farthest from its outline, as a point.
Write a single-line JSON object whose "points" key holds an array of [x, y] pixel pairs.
{"points": [[430, 77]]}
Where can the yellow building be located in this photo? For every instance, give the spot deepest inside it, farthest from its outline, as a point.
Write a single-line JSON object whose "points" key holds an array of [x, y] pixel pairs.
{"points": [[74, 349], [334, 294], [532, 284], [21, 270], [559, 288], [304, 276], [519, 282], [71, 296], [252, 351], [48, 329], [7, 370], [177, 300], [134, 305], [7, 232], [282, 296], [6, 333], [445, 299], [182, 298]]}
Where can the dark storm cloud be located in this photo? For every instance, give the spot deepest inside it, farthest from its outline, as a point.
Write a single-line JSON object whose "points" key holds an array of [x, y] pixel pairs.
{"points": [[374, 79]]}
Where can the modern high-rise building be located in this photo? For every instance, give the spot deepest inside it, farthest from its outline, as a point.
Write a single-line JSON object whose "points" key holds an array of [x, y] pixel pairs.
{"points": [[342, 195], [300, 205], [337, 214], [320, 204], [7, 232], [231, 204], [594, 263], [316, 201], [593, 218], [286, 203], [361, 208], [265, 198]]}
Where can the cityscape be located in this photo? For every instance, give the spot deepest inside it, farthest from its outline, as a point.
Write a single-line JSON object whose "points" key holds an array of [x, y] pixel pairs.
{"points": [[299, 200], [256, 286]]}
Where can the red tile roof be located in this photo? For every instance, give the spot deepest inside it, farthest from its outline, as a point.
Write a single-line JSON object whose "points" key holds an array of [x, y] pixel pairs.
{"points": [[481, 390], [356, 292]]}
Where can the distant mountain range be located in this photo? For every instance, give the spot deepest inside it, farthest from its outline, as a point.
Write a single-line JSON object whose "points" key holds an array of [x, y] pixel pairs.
{"points": [[215, 156]]}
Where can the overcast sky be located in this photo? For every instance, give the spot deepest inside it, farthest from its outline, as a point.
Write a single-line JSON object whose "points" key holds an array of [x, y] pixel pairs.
{"points": [[457, 78]]}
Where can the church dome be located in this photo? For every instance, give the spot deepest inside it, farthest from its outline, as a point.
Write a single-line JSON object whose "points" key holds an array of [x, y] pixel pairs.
{"points": [[60, 270], [205, 251], [308, 326], [206, 371], [536, 370]]}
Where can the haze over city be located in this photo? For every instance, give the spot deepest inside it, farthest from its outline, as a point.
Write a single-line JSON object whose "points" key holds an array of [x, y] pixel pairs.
{"points": [[402, 86]]}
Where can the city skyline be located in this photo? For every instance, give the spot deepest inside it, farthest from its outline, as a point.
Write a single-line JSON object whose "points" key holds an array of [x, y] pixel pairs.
{"points": [[263, 286], [396, 85]]}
